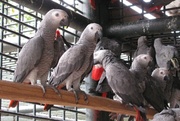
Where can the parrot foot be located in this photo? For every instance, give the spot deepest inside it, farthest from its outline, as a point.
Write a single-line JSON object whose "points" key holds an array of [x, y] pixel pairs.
{"points": [[55, 90], [43, 87], [76, 93]]}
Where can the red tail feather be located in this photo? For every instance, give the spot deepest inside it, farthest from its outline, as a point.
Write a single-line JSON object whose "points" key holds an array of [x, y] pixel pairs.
{"points": [[13, 103], [138, 115], [93, 5], [47, 107]]}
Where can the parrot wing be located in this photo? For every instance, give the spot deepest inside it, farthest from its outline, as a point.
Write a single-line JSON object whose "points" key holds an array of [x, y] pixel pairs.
{"points": [[68, 64], [58, 51], [29, 57]]}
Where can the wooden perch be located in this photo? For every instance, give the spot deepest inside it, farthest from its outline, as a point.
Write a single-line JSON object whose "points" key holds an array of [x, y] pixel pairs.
{"points": [[29, 93]]}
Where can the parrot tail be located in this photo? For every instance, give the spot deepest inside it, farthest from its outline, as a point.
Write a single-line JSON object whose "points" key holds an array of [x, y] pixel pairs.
{"points": [[47, 107], [140, 116], [13, 103]]}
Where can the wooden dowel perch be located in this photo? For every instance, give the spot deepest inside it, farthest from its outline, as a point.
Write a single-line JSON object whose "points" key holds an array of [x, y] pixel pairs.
{"points": [[29, 93]]}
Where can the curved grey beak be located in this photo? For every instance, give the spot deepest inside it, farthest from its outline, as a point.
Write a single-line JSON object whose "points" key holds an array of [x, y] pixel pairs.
{"points": [[65, 21]]}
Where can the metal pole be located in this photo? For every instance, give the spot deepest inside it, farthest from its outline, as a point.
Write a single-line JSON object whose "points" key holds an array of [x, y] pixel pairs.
{"points": [[1, 50], [143, 27]]}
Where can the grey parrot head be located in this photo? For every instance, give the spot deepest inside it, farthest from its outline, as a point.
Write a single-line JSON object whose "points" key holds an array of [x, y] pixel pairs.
{"points": [[92, 31], [162, 74], [142, 41], [142, 60], [101, 54], [110, 44], [56, 18]]}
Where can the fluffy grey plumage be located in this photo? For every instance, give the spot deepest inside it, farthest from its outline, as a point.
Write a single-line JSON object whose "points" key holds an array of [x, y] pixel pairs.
{"points": [[76, 61], [164, 53], [151, 91], [143, 48], [115, 47], [37, 54], [165, 78], [168, 115], [120, 79], [59, 49]]}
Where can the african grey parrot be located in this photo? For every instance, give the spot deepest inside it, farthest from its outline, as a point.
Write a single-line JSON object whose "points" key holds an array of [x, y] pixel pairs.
{"points": [[165, 78], [143, 48], [59, 48], [36, 56], [76, 61], [121, 80], [165, 54], [151, 88], [168, 85], [168, 115], [115, 47]]}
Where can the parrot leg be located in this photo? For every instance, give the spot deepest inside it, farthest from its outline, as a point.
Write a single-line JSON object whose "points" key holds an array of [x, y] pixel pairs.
{"points": [[44, 86], [76, 87], [76, 93]]}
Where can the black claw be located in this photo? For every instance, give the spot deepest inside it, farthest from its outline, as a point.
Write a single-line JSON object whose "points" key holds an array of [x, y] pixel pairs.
{"points": [[85, 97], [76, 96]]}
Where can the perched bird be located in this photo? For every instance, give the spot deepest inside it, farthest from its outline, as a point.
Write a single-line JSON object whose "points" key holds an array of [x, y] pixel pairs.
{"points": [[168, 115], [169, 86], [175, 98], [152, 93], [115, 47], [36, 56], [166, 80], [166, 55], [121, 80], [143, 48], [76, 61], [59, 48]]}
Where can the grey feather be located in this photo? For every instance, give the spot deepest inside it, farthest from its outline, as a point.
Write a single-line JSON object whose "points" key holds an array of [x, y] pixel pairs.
{"points": [[151, 88], [120, 79], [76, 61], [143, 48], [59, 49], [168, 115], [165, 78], [115, 47], [36, 56], [164, 53], [28, 58]]}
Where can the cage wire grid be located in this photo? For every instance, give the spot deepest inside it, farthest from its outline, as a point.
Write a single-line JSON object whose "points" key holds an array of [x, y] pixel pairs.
{"points": [[19, 23]]}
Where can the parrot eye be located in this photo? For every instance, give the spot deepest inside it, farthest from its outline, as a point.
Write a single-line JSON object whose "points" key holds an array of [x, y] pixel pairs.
{"points": [[145, 58], [57, 14], [91, 27], [161, 72]]}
